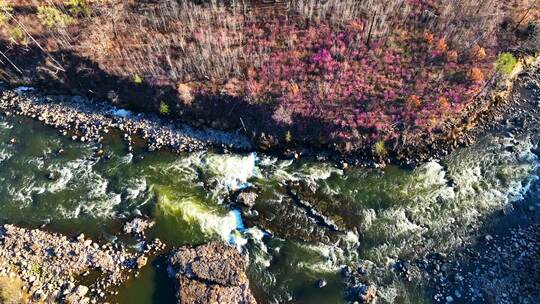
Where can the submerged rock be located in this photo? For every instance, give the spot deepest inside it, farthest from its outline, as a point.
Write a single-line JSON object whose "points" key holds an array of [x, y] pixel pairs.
{"points": [[321, 283], [211, 273], [138, 226]]}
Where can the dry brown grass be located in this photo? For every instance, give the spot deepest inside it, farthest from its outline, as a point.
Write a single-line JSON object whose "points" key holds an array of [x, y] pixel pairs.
{"points": [[11, 291]]}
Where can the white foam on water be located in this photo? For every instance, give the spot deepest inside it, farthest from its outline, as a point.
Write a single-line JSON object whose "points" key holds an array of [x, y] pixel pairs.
{"points": [[184, 167], [230, 172], [4, 125], [258, 251], [127, 159], [5, 154], [22, 194], [285, 170], [121, 113], [135, 188], [79, 176], [193, 212], [6, 151], [435, 214], [101, 204], [22, 89], [329, 258], [65, 174]]}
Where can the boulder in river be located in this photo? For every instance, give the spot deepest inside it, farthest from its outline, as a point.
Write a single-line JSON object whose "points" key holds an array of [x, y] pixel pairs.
{"points": [[247, 198], [211, 273]]}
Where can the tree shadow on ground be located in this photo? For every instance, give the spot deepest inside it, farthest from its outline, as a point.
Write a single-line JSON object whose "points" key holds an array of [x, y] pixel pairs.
{"points": [[65, 72]]}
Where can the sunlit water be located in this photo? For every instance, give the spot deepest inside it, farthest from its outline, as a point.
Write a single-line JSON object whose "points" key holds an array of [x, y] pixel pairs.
{"points": [[377, 216]]}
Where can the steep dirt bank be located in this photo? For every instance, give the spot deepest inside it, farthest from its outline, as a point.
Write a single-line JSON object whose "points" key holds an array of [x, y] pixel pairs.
{"points": [[509, 105]]}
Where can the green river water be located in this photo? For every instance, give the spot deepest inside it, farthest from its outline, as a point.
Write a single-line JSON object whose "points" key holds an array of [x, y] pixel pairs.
{"points": [[381, 215]]}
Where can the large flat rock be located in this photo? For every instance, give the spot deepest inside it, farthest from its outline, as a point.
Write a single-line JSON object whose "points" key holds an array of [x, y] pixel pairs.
{"points": [[211, 273]]}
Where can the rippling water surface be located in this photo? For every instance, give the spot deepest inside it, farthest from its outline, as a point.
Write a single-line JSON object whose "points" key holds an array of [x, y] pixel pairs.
{"points": [[310, 219]]}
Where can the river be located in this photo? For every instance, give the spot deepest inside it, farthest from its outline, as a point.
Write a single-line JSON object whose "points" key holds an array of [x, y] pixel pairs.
{"points": [[310, 219]]}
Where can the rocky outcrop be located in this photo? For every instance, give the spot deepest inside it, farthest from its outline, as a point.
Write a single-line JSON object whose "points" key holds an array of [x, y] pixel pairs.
{"points": [[247, 198], [211, 273], [50, 264]]}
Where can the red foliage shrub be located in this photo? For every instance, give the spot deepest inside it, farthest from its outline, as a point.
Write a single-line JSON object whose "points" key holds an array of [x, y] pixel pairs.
{"points": [[414, 101], [478, 53], [441, 45]]}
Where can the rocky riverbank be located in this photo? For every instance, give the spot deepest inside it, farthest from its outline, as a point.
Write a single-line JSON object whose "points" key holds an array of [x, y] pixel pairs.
{"points": [[85, 120], [53, 266], [519, 113], [506, 270], [501, 265]]}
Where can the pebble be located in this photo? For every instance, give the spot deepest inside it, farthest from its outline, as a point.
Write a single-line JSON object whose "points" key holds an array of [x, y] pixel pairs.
{"points": [[81, 290]]}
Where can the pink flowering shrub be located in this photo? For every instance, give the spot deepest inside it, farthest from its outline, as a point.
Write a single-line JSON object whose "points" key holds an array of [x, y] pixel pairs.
{"points": [[411, 82]]}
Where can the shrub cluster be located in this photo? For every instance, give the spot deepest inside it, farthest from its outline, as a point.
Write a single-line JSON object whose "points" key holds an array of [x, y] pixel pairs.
{"points": [[52, 17], [506, 63], [362, 92]]}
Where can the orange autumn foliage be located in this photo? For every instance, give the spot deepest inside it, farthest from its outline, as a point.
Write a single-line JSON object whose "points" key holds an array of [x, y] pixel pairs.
{"points": [[476, 75], [479, 53], [428, 37], [414, 101], [452, 56], [295, 89], [442, 45], [356, 26], [443, 102]]}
